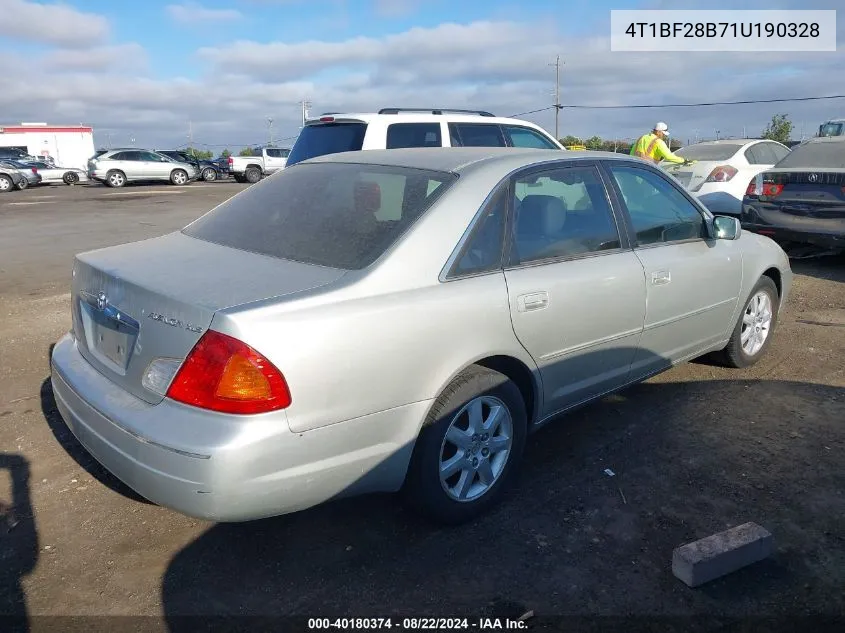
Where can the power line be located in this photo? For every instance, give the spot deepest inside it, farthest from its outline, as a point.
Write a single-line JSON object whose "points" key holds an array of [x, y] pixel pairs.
{"points": [[681, 105]]}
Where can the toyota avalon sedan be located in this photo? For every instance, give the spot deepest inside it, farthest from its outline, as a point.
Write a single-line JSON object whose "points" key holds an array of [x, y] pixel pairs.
{"points": [[397, 320]]}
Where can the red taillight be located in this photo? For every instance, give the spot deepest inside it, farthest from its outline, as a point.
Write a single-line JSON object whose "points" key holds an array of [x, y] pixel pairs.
{"points": [[771, 190], [326, 119], [34, 170], [231, 160], [751, 190], [722, 173], [223, 374]]}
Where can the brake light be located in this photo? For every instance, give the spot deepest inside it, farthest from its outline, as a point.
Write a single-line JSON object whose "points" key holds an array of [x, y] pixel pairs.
{"points": [[326, 119], [771, 190], [231, 161], [224, 374], [34, 170], [722, 173]]}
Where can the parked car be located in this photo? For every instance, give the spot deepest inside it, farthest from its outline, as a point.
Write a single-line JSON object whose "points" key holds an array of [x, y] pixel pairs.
{"points": [[208, 170], [15, 153], [402, 329], [720, 175], [833, 127], [254, 168], [53, 175], [802, 198], [10, 177], [222, 164], [397, 128], [30, 174], [117, 167]]}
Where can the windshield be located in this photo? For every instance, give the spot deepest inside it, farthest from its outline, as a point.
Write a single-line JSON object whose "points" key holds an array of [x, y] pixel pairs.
{"points": [[711, 151], [813, 155], [338, 215], [327, 138], [831, 129]]}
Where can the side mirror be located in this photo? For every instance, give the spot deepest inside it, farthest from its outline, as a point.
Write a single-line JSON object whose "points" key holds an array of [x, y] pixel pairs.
{"points": [[726, 228]]}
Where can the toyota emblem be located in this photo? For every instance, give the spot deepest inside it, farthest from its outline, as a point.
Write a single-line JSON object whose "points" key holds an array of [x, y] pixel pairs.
{"points": [[813, 177], [102, 301]]}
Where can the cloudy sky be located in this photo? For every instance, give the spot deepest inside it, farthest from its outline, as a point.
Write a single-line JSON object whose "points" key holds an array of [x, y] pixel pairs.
{"points": [[149, 69]]}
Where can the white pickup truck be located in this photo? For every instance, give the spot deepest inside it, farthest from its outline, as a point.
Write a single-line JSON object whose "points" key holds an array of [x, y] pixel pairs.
{"points": [[254, 168]]}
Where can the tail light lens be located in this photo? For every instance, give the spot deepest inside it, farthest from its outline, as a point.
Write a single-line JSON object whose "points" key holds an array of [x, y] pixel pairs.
{"points": [[768, 188], [722, 173], [34, 170], [230, 161], [224, 374], [771, 190]]}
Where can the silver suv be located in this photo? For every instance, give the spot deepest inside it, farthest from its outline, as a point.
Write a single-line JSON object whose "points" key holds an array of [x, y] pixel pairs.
{"points": [[119, 166]]}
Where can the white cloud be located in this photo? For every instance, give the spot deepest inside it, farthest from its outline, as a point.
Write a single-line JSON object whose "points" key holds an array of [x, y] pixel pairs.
{"points": [[126, 57], [499, 66], [191, 12], [55, 23]]}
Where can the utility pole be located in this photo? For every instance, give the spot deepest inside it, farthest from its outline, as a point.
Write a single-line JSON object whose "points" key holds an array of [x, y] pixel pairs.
{"points": [[557, 96], [306, 106], [270, 129], [191, 136]]}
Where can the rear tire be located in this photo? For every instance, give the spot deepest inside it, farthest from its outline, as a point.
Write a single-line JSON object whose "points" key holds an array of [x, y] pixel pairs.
{"points": [[458, 473], [178, 177], [70, 178], [753, 331], [252, 175], [209, 174], [6, 184], [23, 184], [115, 179]]}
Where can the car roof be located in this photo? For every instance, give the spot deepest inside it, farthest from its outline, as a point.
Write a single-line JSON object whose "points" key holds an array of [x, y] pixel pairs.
{"points": [[457, 159], [411, 116]]}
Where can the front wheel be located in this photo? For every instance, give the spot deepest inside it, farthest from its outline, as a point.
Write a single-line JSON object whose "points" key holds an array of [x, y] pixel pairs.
{"points": [[23, 184], [115, 179], [209, 174], [70, 178], [752, 334], [469, 447], [6, 184]]}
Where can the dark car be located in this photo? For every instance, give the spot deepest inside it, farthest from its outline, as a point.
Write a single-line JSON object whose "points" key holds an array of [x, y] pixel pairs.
{"points": [[208, 170], [30, 173], [802, 198], [10, 177]]}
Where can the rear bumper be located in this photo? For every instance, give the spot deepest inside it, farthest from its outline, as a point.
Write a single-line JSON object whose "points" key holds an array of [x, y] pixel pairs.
{"points": [[784, 235], [786, 227], [227, 468]]}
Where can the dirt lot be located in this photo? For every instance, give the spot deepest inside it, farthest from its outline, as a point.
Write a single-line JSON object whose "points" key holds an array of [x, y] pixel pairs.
{"points": [[695, 450]]}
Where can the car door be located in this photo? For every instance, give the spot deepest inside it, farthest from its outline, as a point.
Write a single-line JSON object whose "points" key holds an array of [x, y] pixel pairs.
{"points": [[692, 281], [521, 136], [157, 167], [476, 135], [131, 163], [273, 160], [576, 289]]}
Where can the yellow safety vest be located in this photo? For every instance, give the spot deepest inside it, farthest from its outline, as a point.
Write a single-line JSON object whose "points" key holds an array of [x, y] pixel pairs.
{"points": [[646, 147]]}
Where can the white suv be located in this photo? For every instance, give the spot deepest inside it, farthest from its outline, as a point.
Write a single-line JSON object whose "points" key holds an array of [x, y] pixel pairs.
{"points": [[393, 128]]}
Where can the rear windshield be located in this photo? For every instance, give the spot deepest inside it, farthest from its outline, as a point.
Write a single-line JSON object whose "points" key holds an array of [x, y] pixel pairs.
{"points": [[339, 215], [327, 138], [829, 154], [831, 129], [708, 152]]}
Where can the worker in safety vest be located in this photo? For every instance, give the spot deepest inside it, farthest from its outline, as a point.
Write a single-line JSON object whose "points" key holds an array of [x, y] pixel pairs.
{"points": [[653, 148]]}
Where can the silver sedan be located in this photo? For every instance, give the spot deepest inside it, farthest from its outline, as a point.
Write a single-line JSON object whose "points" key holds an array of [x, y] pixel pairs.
{"points": [[397, 320]]}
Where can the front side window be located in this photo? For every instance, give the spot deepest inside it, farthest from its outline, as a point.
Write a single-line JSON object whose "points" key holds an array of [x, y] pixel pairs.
{"points": [[339, 215], [401, 135], [526, 137], [563, 212], [659, 212], [476, 135]]}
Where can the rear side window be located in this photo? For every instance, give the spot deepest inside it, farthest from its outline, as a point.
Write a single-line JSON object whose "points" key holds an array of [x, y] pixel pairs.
{"points": [[413, 135], [476, 135], [339, 215], [327, 138], [525, 137]]}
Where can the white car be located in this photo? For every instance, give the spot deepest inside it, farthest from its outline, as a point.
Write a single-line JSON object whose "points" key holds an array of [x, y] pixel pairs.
{"points": [[722, 170], [51, 174], [398, 128]]}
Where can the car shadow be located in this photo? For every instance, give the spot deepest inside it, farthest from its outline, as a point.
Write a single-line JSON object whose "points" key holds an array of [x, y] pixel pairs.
{"points": [[831, 267], [588, 527], [18, 543], [66, 439]]}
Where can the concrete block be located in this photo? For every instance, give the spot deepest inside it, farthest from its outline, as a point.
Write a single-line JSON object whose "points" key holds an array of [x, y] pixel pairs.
{"points": [[720, 554]]}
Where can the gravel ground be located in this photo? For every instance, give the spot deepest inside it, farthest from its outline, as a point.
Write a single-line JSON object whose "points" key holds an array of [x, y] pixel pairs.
{"points": [[694, 451]]}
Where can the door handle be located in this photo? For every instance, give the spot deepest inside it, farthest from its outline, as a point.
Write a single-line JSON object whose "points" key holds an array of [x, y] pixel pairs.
{"points": [[661, 278], [532, 301]]}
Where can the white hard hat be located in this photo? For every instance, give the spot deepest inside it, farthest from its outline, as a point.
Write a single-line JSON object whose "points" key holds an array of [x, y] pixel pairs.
{"points": [[660, 126]]}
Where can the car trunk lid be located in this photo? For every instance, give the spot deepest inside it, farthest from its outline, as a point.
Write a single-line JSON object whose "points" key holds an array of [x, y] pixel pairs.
{"points": [[692, 176], [154, 299], [810, 193]]}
